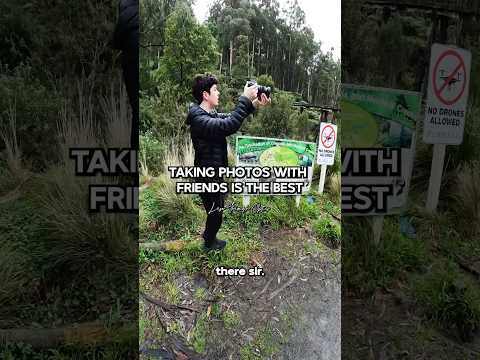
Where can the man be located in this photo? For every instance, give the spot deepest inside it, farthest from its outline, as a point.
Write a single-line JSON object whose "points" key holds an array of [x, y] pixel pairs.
{"points": [[126, 39], [209, 130]]}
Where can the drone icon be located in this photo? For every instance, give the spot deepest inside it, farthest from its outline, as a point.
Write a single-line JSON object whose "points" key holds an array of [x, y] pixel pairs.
{"points": [[451, 80]]}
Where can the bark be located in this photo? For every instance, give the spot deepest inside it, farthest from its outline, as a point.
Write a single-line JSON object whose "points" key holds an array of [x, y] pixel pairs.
{"points": [[231, 56]]}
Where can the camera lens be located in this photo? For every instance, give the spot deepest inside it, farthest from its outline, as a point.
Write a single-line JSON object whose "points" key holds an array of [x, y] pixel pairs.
{"points": [[264, 90]]}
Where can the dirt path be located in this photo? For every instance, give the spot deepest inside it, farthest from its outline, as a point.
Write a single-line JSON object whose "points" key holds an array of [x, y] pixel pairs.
{"points": [[297, 303], [316, 335], [293, 312]]}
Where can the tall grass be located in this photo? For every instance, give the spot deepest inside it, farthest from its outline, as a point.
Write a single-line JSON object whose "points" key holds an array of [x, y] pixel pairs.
{"points": [[78, 238], [467, 192], [14, 277], [118, 114], [179, 152], [15, 172], [335, 187], [161, 206], [367, 265], [449, 298]]}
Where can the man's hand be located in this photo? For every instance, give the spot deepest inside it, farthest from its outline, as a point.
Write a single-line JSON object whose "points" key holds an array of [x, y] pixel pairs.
{"points": [[263, 102], [250, 91]]}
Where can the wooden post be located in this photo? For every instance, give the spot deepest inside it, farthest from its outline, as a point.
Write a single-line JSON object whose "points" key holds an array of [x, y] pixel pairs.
{"points": [[435, 177], [377, 227], [438, 149], [321, 184]]}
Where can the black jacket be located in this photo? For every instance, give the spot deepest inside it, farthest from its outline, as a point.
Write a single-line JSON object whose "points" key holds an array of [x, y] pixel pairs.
{"points": [[127, 26], [209, 132]]}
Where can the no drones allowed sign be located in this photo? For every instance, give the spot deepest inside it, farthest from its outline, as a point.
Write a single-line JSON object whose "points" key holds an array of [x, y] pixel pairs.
{"points": [[447, 95], [326, 144]]}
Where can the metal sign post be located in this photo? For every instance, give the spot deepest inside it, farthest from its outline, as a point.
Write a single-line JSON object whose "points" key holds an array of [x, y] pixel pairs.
{"points": [[444, 122]]}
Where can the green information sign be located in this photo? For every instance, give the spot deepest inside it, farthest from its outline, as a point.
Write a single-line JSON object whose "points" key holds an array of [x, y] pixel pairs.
{"points": [[378, 117], [259, 151], [378, 143]]}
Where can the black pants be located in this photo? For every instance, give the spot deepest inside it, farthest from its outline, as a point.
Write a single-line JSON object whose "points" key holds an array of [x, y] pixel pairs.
{"points": [[213, 204]]}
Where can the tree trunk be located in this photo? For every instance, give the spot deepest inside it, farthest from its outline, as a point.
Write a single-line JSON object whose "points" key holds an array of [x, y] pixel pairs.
{"points": [[253, 53], [221, 61], [308, 89], [231, 57], [248, 59]]}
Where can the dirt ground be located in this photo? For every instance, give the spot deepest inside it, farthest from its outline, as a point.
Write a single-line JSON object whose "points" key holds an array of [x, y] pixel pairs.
{"points": [[292, 312], [388, 326]]}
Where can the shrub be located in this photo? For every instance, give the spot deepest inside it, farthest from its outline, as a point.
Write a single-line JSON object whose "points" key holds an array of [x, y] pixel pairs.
{"points": [[151, 154], [77, 238], [161, 206], [335, 187], [449, 299], [328, 230], [273, 121], [14, 277], [35, 109], [367, 265], [467, 193]]}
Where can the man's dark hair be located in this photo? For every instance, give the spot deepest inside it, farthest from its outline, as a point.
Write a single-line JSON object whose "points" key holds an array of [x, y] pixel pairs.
{"points": [[202, 83]]}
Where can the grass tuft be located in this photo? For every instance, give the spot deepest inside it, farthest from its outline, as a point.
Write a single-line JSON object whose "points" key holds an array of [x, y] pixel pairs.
{"points": [[449, 299]]}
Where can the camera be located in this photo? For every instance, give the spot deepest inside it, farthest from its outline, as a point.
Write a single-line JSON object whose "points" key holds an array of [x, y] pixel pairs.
{"points": [[261, 89]]}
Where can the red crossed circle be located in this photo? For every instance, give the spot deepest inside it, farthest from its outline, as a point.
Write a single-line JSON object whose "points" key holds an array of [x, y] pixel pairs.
{"points": [[439, 88], [328, 137]]}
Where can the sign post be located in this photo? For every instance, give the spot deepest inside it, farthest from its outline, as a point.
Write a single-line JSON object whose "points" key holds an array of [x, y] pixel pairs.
{"points": [[444, 122], [326, 150]]}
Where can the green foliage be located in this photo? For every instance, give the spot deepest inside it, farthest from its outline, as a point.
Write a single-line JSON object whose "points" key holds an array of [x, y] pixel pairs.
{"points": [[266, 80], [242, 68], [467, 193], [199, 337], [55, 46], [19, 224], [273, 121], [15, 278], [151, 152], [449, 298], [162, 115], [231, 319], [172, 293], [160, 206], [35, 110], [326, 229], [200, 294], [367, 265], [189, 49], [278, 212], [264, 346]]}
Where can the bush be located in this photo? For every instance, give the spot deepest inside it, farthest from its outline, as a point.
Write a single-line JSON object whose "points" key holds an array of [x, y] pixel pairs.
{"points": [[151, 153], [327, 230], [162, 115], [280, 211], [162, 207], [467, 193], [335, 188], [449, 299], [36, 111], [266, 80], [273, 121], [14, 277], [367, 265]]}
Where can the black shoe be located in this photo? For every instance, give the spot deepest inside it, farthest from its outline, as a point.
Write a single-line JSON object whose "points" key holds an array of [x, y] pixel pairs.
{"points": [[216, 244]]}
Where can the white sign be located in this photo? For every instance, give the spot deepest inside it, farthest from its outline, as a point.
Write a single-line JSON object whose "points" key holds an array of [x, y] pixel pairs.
{"points": [[326, 144], [447, 95]]}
